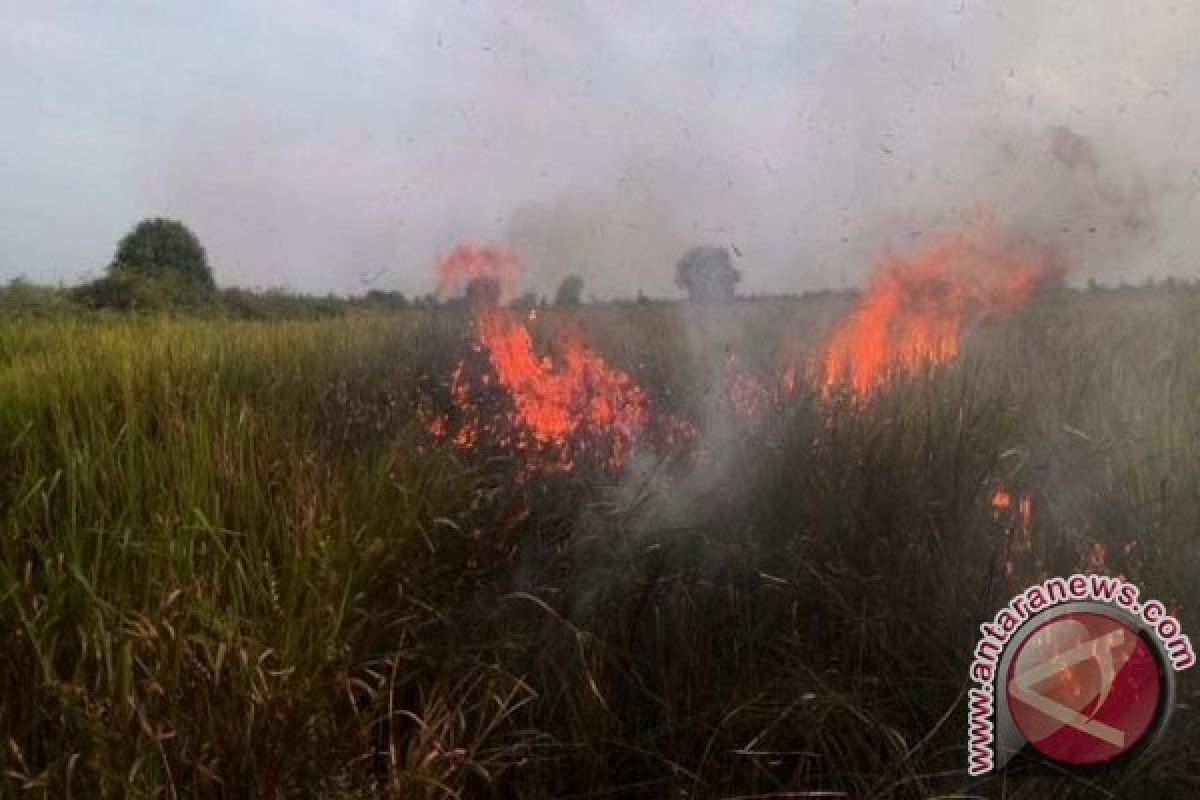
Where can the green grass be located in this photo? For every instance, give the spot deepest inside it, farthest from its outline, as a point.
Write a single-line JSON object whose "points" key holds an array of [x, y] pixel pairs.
{"points": [[234, 564]]}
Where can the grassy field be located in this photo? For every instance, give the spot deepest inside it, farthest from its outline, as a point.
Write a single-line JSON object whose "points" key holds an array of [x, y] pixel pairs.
{"points": [[234, 562]]}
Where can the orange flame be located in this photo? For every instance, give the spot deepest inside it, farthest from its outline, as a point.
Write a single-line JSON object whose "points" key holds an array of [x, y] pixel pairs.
{"points": [[750, 396], [560, 408], [468, 262], [914, 311], [1015, 513], [582, 395]]}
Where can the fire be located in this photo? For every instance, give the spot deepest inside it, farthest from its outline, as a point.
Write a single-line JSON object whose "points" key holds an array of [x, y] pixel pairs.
{"points": [[750, 396], [468, 262], [557, 409], [1015, 515], [569, 404], [915, 310], [576, 400]]}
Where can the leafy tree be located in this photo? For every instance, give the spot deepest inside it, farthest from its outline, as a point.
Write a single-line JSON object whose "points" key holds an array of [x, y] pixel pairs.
{"points": [[707, 274], [570, 291], [160, 264], [163, 249]]}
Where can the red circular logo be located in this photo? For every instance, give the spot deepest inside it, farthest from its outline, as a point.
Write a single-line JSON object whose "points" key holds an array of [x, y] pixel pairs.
{"points": [[1084, 688]]}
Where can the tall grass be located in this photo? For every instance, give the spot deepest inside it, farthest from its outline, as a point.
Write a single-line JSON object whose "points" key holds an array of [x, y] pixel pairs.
{"points": [[208, 541], [233, 564]]}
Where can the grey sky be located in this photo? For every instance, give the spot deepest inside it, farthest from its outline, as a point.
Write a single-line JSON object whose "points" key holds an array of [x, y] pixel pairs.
{"points": [[310, 144]]}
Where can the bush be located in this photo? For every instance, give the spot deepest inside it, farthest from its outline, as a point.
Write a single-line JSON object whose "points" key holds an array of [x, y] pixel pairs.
{"points": [[129, 290], [23, 297], [278, 304], [385, 300]]}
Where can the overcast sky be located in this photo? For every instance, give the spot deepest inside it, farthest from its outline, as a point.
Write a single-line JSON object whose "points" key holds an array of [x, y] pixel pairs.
{"points": [[342, 146]]}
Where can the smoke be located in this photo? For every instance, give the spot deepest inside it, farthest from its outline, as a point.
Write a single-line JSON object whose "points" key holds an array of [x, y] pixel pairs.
{"points": [[606, 238], [345, 148], [982, 260]]}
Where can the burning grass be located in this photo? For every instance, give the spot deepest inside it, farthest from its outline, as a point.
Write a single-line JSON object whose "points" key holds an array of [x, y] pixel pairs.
{"points": [[235, 561], [917, 309], [561, 411]]}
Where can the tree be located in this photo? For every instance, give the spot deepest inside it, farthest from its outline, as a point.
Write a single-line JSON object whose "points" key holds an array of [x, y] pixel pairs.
{"points": [[707, 274], [163, 249], [570, 291], [159, 264]]}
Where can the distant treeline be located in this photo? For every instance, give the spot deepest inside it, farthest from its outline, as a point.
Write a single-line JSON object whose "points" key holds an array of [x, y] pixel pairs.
{"points": [[22, 297], [147, 296], [160, 266]]}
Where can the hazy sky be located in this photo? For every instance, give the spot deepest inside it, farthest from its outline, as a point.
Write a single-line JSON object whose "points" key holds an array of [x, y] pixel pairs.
{"points": [[342, 146]]}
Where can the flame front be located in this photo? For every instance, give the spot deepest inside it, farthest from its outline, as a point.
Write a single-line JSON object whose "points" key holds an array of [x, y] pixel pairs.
{"points": [[558, 408], [561, 408], [914, 311], [567, 405]]}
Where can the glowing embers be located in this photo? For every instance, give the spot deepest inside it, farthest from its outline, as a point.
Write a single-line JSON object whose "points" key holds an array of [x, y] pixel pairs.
{"points": [[753, 397]]}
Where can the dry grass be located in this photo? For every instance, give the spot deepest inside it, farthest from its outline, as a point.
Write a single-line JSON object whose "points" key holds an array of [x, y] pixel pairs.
{"points": [[233, 563]]}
